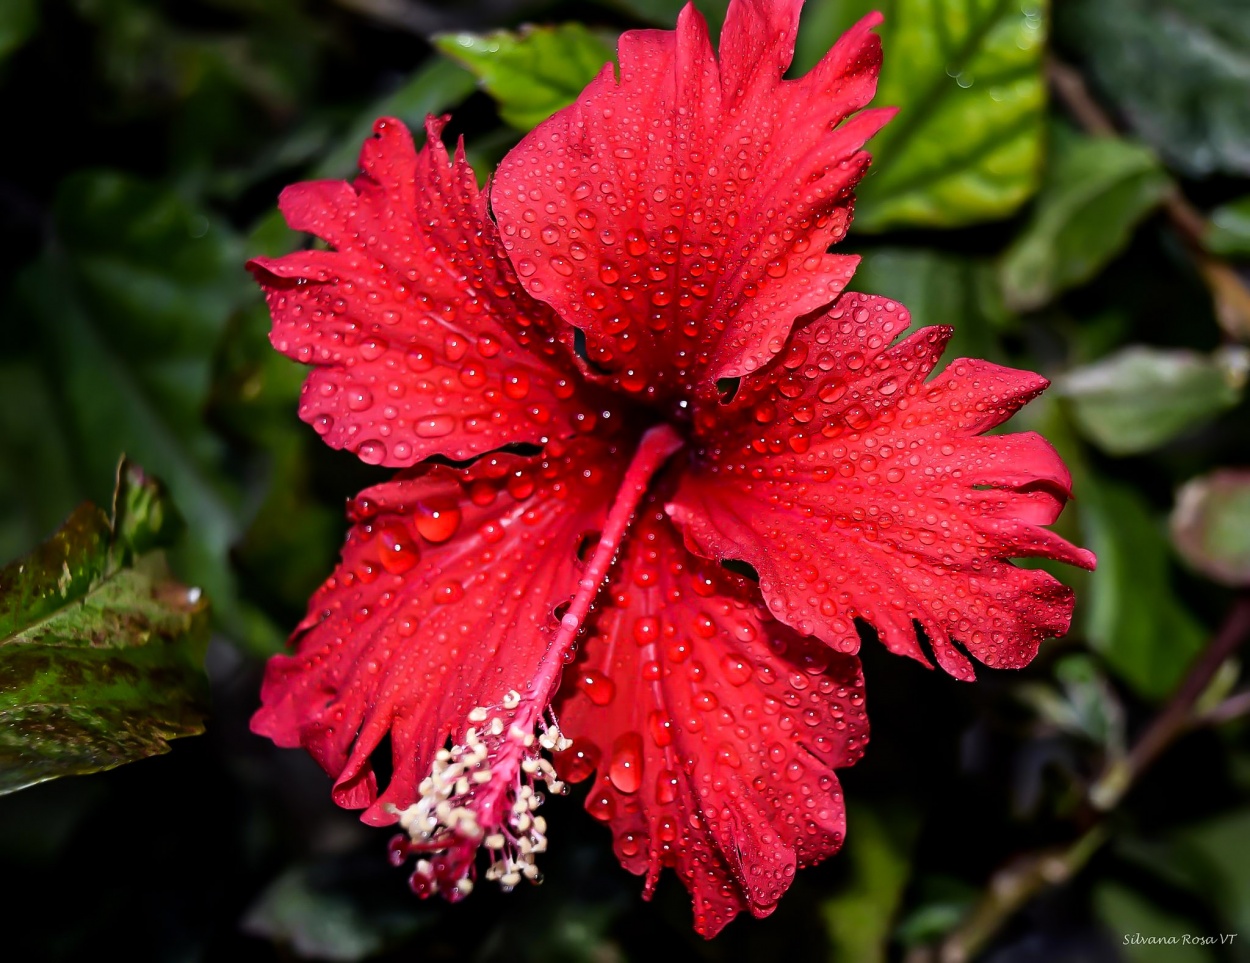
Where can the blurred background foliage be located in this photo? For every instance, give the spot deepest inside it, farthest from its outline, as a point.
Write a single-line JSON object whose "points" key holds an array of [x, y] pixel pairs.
{"points": [[1068, 187]]}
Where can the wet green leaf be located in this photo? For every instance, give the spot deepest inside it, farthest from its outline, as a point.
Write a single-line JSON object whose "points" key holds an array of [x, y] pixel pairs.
{"points": [[1178, 70], [1211, 525], [1229, 234], [861, 917], [1096, 191], [1140, 398], [1132, 615], [129, 303], [966, 76], [100, 650], [532, 72]]}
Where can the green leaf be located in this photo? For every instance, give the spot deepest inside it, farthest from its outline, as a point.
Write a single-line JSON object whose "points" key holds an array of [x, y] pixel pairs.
{"points": [[129, 304], [860, 918], [1095, 193], [941, 903], [966, 76], [18, 22], [1211, 525], [532, 72], [100, 651], [1132, 615], [941, 289], [1229, 234], [1086, 705], [1127, 914], [1140, 398], [1179, 72]]}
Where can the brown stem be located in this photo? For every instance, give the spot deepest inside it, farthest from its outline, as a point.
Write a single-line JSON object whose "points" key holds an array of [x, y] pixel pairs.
{"points": [[1177, 717], [1068, 83], [1228, 290], [1011, 887]]}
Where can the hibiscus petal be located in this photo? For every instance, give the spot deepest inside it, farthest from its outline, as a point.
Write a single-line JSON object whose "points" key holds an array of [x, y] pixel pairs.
{"points": [[443, 602], [681, 216], [715, 730], [858, 490], [422, 341]]}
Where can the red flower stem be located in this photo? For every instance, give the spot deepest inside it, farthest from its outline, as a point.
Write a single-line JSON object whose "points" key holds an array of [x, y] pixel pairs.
{"points": [[656, 447]]}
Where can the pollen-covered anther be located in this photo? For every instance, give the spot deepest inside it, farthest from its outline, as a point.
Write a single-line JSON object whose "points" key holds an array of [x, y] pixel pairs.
{"points": [[482, 793]]}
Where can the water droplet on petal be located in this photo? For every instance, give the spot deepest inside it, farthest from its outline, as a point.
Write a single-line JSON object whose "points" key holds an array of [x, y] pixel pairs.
{"points": [[435, 427], [737, 670], [437, 523], [580, 760], [625, 769], [598, 688], [396, 550]]}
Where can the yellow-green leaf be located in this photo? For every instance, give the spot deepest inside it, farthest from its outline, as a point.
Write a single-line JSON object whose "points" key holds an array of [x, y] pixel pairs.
{"points": [[966, 76]]}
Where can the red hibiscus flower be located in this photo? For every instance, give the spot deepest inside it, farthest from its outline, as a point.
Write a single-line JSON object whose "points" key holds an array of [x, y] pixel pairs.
{"points": [[677, 219]]}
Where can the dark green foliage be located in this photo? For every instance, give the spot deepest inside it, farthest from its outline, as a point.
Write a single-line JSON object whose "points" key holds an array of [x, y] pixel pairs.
{"points": [[146, 142]]}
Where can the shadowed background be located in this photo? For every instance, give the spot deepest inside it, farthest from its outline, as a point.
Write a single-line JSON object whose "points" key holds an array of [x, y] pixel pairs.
{"points": [[1068, 187]]}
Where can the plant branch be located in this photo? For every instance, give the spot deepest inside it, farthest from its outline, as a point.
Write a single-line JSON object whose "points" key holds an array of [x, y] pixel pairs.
{"points": [[1228, 291], [1177, 717], [1011, 887]]}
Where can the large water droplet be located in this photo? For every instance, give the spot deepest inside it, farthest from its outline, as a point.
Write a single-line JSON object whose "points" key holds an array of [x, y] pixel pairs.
{"points": [[436, 426], [598, 688], [737, 670], [625, 769], [660, 725], [665, 787], [396, 550], [437, 523], [580, 760]]}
